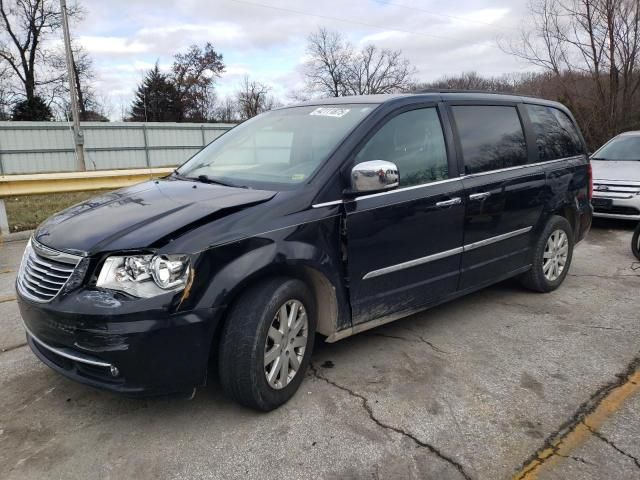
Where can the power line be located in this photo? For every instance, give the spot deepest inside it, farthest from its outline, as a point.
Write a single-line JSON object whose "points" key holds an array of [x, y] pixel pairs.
{"points": [[345, 20], [444, 15]]}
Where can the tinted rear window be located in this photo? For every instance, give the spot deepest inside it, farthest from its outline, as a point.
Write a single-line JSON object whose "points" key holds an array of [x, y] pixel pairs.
{"points": [[491, 137], [556, 135]]}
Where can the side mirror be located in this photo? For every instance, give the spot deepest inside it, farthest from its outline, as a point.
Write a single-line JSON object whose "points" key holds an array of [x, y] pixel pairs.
{"points": [[374, 176]]}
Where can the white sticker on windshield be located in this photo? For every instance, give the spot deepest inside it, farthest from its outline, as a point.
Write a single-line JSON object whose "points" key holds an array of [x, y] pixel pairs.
{"points": [[330, 112]]}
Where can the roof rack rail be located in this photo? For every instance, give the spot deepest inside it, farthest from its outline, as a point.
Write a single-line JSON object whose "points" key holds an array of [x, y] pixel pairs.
{"points": [[461, 90]]}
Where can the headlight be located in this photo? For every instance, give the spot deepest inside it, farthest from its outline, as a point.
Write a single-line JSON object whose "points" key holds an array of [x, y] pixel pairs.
{"points": [[145, 275]]}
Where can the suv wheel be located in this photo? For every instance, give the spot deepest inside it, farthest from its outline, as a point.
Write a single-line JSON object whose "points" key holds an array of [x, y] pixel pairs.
{"points": [[551, 256], [267, 343]]}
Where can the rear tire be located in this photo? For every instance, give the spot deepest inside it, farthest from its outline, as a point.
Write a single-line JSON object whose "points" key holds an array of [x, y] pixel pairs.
{"points": [[635, 242], [551, 256], [267, 342]]}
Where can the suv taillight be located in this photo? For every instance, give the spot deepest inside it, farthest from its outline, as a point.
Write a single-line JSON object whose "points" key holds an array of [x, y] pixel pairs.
{"points": [[590, 182]]}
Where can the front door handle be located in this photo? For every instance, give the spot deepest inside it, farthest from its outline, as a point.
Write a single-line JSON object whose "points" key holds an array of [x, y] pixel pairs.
{"points": [[449, 203], [479, 196]]}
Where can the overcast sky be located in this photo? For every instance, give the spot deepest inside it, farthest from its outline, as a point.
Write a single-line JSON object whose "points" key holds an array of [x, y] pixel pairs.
{"points": [[266, 39]]}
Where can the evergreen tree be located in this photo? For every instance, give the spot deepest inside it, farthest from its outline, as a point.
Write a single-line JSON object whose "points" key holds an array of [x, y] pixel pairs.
{"points": [[34, 109], [156, 99]]}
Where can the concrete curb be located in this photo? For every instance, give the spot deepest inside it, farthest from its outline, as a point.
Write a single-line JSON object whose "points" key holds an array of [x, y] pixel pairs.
{"points": [[16, 237]]}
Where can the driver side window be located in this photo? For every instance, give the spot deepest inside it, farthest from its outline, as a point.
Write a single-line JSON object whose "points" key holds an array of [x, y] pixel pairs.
{"points": [[414, 141]]}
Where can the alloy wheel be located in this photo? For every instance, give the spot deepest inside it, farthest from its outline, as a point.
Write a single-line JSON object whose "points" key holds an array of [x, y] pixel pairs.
{"points": [[555, 255], [285, 344]]}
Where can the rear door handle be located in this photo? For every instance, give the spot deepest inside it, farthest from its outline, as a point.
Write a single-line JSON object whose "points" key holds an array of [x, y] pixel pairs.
{"points": [[449, 203], [479, 196]]}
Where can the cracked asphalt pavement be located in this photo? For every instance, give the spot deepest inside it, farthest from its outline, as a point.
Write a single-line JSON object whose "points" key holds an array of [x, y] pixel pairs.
{"points": [[501, 384]]}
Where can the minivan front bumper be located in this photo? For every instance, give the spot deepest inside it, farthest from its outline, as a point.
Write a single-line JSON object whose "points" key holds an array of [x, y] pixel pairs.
{"points": [[145, 352]]}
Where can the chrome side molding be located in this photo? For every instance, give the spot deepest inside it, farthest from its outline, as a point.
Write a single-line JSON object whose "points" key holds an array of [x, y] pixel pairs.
{"points": [[327, 204], [413, 263], [445, 254], [498, 238], [389, 192]]}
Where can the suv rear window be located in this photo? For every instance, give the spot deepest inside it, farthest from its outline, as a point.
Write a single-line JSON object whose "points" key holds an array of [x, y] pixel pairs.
{"points": [[491, 137], [556, 135]]}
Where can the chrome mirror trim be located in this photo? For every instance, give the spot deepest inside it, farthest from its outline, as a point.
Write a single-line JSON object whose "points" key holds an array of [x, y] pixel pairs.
{"points": [[374, 176]]}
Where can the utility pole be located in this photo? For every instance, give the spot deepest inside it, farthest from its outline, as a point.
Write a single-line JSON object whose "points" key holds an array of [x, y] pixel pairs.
{"points": [[78, 138]]}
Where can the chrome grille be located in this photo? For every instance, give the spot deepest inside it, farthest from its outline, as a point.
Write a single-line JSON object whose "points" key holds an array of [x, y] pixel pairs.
{"points": [[44, 272], [616, 188]]}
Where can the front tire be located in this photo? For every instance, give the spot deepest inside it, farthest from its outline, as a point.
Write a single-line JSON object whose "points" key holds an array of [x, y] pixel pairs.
{"points": [[551, 256], [267, 343]]}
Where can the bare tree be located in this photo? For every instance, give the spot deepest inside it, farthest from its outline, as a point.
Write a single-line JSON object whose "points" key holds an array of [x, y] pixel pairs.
{"points": [[24, 26], [472, 81], [597, 40], [374, 71], [83, 75], [226, 110], [335, 68], [6, 96], [253, 98], [298, 96], [194, 74], [326, 70]]}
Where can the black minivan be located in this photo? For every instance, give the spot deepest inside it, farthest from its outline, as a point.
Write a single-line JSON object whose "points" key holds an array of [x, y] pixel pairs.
{"points": [[330, 217]]}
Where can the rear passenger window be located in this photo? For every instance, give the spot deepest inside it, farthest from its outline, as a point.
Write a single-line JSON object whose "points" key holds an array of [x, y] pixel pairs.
{"points": [[491, 137], [556, 135], [414, 141]]}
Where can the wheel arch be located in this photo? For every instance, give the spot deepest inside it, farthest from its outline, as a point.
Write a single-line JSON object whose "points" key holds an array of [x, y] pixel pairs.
{"points": [[318, 268], [564, 209], [571, 215], [324, 292]]}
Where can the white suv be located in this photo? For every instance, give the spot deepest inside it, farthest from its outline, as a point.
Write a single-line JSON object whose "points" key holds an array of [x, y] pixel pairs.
{"points": [[616, 178]]}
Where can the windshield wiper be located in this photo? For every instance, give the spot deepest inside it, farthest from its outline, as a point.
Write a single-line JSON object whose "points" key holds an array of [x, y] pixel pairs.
{"points": [[178, 175], [207, 179]]}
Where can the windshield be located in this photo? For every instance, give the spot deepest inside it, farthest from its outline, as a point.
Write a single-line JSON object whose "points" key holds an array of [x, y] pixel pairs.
{"points": [[621, 148], [277, 149]]}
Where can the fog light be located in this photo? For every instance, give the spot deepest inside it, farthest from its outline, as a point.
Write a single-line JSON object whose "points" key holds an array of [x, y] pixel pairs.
{"points": [[114, 371]]}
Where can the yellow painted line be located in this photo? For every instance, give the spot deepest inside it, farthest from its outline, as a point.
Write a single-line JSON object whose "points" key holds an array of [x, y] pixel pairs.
{"points": [[582, 431], [10, 298]]}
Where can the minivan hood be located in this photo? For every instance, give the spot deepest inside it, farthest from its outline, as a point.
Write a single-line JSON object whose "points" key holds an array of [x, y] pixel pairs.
{"points": [[616, 170], [143, 215]]}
